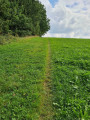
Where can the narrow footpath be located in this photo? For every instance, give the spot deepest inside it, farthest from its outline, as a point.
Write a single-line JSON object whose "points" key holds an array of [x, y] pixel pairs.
{"points": [[46, 103]]}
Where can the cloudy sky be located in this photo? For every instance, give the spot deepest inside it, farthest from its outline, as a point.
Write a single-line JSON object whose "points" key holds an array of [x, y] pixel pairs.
{"points": [[68, 18]]}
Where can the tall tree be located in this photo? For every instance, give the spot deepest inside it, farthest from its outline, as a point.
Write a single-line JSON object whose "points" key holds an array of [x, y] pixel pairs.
{"points": [[23, 17]]}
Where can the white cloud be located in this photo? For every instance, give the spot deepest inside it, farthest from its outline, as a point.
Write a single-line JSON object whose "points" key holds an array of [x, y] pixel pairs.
{"points": [[69, 18]]}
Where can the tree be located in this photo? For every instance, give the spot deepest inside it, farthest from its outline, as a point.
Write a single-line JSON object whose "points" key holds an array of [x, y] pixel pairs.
{"points": [[23, 17]]}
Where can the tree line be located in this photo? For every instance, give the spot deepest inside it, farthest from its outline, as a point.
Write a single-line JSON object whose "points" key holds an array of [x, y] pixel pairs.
{"points": [[23, 17]]}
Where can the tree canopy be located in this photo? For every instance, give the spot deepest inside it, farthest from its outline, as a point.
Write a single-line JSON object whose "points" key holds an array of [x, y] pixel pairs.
{"points": [[23, 17]]}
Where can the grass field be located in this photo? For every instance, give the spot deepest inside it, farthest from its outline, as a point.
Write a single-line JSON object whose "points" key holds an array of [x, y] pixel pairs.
{"points": [[45, 79]]}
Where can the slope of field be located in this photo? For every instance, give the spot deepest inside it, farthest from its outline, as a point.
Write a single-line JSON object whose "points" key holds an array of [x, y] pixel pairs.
{"points": [[38, 75], [22, 70], [71, 78]]}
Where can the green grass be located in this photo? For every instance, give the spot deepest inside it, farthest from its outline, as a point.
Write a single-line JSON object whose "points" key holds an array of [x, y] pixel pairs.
{"points": [[22, 73], [71, 78], [22, 69]]}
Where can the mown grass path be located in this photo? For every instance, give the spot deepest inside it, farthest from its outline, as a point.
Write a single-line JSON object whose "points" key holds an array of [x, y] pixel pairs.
{"points": [[36, 72], [46, 103]]}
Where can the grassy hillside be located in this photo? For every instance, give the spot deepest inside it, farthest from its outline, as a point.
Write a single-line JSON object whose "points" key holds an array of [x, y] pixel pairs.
{"points": [[45, 79], [71, 78]]}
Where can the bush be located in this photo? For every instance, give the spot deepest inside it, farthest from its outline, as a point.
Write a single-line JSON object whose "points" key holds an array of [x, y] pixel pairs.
{"points": [[6, 39]]}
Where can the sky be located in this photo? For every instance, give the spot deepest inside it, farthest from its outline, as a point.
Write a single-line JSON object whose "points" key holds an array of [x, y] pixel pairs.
{"points": [[68, 18]]}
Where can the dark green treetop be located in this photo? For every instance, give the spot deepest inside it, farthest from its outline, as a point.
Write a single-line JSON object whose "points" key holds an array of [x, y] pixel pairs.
{"points": [[23, 17]]}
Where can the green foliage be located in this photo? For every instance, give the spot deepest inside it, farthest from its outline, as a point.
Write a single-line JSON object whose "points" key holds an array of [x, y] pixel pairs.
{"points": [[7, 39], [23, 17]]}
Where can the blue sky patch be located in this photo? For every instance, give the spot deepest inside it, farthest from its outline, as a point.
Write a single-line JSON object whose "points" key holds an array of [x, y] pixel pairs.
{"points": [[53, 2], [73, 5], [84, 9]]}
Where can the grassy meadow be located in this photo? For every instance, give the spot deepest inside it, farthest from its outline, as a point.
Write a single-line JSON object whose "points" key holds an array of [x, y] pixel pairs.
{"points": [[71, 78], [24, 68]]}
